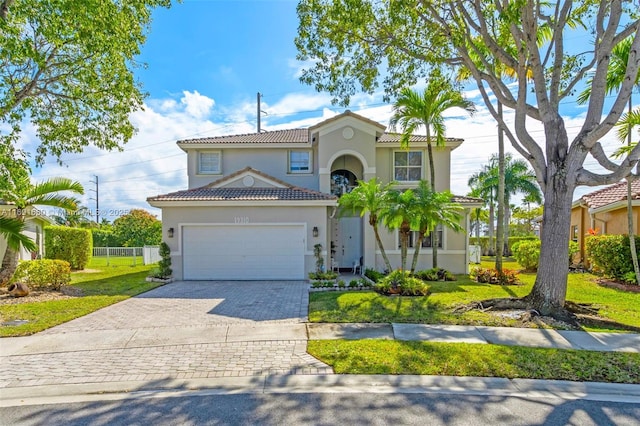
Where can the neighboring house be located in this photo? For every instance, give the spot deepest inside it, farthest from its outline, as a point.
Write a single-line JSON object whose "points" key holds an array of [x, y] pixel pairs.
{"points": [[258, 203], [35, 221], [604, 211]]}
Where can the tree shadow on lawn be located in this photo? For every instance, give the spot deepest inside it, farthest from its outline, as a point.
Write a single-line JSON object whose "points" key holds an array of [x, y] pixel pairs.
{"points": [[120, 285]]}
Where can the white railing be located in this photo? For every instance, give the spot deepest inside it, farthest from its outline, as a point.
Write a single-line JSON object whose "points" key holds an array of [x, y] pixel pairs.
{"points": [[146, 254], [151, 254]]}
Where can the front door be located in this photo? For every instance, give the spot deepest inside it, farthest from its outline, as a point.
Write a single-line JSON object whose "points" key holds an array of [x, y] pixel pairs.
{"points": [[347, 240]]}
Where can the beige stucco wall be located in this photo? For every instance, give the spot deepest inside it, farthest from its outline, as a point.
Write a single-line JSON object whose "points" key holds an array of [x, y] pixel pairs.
{"points": [[273, 161], [175, 217]]}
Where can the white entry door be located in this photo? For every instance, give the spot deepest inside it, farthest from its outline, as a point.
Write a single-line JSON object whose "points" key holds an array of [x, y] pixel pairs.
{"points": [[348, 240], [243, 252]]}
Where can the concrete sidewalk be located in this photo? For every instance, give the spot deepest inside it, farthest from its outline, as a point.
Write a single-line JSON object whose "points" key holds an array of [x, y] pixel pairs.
{"points": [[271, 332], [247, 357]]}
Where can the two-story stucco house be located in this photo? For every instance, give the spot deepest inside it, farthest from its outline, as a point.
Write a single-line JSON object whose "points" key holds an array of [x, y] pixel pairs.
{"points": [[257, 204]]}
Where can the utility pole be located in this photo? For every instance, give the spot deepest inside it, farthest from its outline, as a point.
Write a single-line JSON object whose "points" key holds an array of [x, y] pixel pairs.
{"points": [[97, 199], [259, 112]]}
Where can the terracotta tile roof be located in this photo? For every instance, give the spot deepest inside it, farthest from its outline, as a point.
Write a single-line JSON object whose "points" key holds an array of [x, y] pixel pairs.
{"points": [[275, 137], [289, 136], [611, 194], [461, 199], [395, 138], [244, 194]]}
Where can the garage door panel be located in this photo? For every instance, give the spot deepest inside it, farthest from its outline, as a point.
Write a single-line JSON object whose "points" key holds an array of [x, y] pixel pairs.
{"points": [[243, 252]]}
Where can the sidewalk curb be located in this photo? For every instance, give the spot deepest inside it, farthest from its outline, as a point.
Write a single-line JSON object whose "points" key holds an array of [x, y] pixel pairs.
{"points": [[278, 384]]}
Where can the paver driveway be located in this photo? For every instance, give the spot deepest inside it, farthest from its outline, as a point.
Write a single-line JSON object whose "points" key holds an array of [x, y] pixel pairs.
{"points": [[182, 330], [198, 304]]}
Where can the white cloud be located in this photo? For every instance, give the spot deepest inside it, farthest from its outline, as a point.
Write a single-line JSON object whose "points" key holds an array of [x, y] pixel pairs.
{"points": [[196, 105]]}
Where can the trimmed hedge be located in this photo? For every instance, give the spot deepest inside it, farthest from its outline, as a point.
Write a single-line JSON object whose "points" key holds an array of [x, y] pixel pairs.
{"points": [[610, 255], [484, 242], [75, 245], [104, 238], [43, 273], [527, 254]]}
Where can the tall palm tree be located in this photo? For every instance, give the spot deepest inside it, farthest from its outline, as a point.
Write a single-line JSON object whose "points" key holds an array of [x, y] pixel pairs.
{"points": [[23, 196], [431, 209], [399, 214], [369, 197], [518, 179], [615, 76], [413, 110], [488, 193]]}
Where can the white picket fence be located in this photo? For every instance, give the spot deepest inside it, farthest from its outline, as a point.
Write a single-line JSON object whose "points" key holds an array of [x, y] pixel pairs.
{"points": [[146, 254]]}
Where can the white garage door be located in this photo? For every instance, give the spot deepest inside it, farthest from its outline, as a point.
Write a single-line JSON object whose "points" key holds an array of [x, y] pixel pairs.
{"points": [[243, 252]]}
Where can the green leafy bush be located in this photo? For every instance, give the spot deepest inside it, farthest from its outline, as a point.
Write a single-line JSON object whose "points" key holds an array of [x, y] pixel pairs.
{"points": [[328, 275], [164, 265], [492, 276], [435, 274], [104, 238], [574, 249], [484, 242], [373, 275], [75, 245], [342, 284], [527, 254], [43, 273], [353, 283], [610, 255], [401, 282]]}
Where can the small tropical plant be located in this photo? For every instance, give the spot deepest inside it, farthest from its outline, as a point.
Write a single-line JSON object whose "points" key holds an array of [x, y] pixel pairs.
{"points": [[317, 252], [164, 265], [401, 282]]}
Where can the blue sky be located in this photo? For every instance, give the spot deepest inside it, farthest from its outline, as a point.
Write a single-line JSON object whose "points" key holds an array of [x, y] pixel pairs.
{"points": [[205, 62]]}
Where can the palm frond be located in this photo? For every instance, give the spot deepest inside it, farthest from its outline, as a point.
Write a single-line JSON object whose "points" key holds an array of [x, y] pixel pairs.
{"points": [[11, 229]]}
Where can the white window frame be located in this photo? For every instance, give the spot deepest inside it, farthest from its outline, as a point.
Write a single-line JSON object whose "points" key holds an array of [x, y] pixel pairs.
{"points": [[298, 151], [393, 169], [414, 237], [209, 172]]}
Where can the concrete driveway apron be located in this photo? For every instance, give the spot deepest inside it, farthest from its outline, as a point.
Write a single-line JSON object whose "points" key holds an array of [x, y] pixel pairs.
{"points": [[181, 330]]}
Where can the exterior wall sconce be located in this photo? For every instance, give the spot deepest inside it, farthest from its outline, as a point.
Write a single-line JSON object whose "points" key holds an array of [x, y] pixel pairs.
{"points": [[315, 232], [170, 232]]}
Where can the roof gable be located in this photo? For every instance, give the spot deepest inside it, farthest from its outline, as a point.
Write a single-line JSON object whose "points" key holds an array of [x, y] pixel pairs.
{"points": [[247, 178]]}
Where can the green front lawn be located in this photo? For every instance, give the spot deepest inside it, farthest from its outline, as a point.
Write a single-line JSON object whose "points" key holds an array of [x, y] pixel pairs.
{"points": [[465, 359], [101, 286], [437, 308]]}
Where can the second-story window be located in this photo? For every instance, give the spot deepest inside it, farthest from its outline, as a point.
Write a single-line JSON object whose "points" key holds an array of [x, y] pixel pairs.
{"points": [[209, 163], [407, 166], [300, 162]]}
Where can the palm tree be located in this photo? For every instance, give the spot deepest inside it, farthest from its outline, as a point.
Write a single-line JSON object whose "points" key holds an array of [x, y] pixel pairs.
{"points": [[399, 214], [479, 186], [23, 195], [413, 110], [11, 229], [518, 179], [369, 197], [431, 209], [615, 76]]}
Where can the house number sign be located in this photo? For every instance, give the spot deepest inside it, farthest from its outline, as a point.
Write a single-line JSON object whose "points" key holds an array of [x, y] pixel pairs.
{"points": [[241, 219]]}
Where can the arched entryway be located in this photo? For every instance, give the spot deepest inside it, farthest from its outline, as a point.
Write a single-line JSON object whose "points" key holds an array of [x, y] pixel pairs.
{"points": [[346, 227]]}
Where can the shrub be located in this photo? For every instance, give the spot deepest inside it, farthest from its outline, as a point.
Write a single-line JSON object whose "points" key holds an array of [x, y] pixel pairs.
{"points": [[373, 275], [574, 249], [329, 275], [104, 238], [610, 255], [527, 254], [435, 274], [630, 278], [400, 282], [342, 284], [43, 273], [492, 276], [74, 245], [353, 283], [164, 265]]}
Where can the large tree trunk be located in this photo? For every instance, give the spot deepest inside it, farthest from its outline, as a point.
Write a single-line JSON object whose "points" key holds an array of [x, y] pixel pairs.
{"points": [[501, 196], [9, 266], [550, 289]]}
